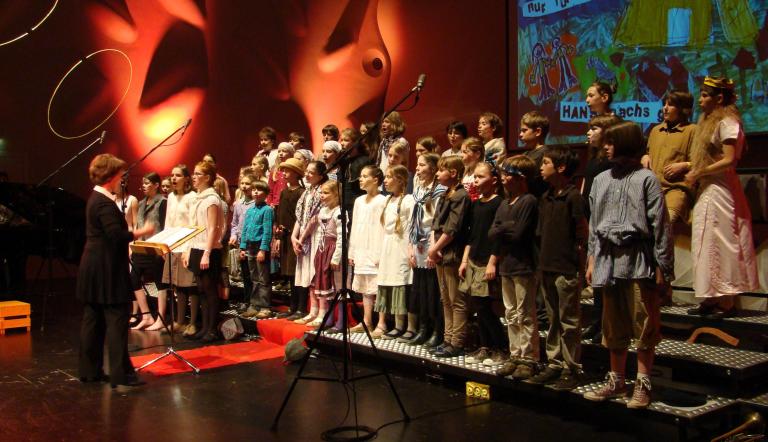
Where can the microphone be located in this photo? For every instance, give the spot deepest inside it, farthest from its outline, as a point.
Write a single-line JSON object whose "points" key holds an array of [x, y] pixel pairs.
{"points": [[420, 82], [186, 125], [101, 138]]}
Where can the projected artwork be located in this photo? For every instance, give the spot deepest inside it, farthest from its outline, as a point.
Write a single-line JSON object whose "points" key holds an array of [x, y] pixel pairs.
{"points": [[644, 48]]}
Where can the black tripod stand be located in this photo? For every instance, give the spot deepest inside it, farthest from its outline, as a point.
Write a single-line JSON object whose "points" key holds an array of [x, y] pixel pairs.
{"points": [[355, 432]]}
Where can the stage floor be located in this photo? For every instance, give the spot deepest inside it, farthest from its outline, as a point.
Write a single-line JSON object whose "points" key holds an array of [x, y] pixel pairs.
{"points": [[41, 399]]}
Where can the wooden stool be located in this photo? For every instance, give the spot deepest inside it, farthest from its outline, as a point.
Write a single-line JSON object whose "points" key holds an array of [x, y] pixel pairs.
{"points": [[14, 314]]}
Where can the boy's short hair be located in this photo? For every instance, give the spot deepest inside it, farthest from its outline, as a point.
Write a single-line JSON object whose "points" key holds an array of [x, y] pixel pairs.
{"points": [[627, 140], [428, 143], [459, 127], [521, 165], [261, 185], [562, 156], [332, 130], [268, 132], [536, 120], [682, 100], [452, 162], [295, 136]]}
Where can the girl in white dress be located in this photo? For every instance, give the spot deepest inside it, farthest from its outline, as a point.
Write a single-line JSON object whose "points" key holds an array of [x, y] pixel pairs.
{"points": [[721, 240], [395, 275]]}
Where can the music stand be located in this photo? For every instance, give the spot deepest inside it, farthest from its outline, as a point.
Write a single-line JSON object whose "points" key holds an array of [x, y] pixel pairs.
{"points": [[163, 244]]}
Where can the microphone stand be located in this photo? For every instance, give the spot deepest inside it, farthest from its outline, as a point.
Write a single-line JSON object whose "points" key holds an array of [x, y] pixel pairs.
{"points": [[170, 351], [50, 247], [359, 432]]}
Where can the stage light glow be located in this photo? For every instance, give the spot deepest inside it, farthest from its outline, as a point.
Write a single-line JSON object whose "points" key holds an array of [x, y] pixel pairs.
{"points": [[163, 122]]}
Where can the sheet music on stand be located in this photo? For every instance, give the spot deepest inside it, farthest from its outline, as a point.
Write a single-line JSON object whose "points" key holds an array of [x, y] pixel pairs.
{"points": [[167, 240]]}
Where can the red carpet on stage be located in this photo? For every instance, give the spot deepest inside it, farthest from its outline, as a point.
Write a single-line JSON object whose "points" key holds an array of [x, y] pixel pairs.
{"points": [[212, 356], [280, 331]]}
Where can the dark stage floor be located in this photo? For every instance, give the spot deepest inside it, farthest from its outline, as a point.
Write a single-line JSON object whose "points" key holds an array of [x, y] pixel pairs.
{"points": [[40, 399]]}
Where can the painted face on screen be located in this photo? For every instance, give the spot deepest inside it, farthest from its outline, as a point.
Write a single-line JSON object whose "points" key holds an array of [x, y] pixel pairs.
{"points": [[671, 113], [548, 169], [148, 187], [455, 138], [595, 136], [595, 101], [527, 135], [484, 129], [608, 150]]}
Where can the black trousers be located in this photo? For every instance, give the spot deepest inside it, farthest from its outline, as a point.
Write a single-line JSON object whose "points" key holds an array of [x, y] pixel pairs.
{"points": [[105, 323]]}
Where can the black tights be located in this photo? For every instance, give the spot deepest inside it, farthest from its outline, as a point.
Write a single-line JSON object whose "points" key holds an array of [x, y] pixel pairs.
{"points": [[208, 287], [299, 298], [491, 331]]}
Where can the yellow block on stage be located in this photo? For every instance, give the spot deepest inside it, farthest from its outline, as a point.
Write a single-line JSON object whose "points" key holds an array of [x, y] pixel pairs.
{"points": [[478, 390]]}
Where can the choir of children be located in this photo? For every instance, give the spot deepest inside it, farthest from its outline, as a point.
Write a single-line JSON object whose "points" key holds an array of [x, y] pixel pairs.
{"points": [[430, 250]]}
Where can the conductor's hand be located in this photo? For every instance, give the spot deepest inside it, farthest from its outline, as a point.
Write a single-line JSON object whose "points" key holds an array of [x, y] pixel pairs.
{"points": [[147, 230]]}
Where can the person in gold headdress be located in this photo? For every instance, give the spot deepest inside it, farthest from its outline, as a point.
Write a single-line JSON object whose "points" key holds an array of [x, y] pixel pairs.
{"points": [[721, 243]]}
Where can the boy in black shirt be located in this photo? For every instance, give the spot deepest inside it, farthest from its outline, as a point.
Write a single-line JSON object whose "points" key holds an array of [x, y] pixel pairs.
{"points": [[562, 229], [512, 234]]}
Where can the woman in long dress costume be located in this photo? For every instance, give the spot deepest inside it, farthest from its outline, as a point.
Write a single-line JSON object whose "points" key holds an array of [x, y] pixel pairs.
{"points": [[724, 263]]}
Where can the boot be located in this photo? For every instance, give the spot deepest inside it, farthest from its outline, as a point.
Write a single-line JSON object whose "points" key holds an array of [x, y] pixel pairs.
{"points": [[435, 340], [422, 335]]}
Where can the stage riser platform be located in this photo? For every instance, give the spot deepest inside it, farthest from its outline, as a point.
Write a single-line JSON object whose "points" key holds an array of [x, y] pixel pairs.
{"points": [[404, 358]]}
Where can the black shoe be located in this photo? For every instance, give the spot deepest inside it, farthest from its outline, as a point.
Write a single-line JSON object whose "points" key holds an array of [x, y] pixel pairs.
{"points": [[131, 380], [548, 376], [296, 315], [701, 310], [598, 338], [93, 379], [406, 337], [718, 314], [283, 315], [421, 337], [393, 334], [568, 381], [435, 340], [210, 337]]}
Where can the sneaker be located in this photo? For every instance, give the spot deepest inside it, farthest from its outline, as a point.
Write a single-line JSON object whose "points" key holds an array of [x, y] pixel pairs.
{"points": [[641, 396], [568, 381], [611, 389], [497, 359], [548, 376], [506, 369], [477, 356], [524, 371]]}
